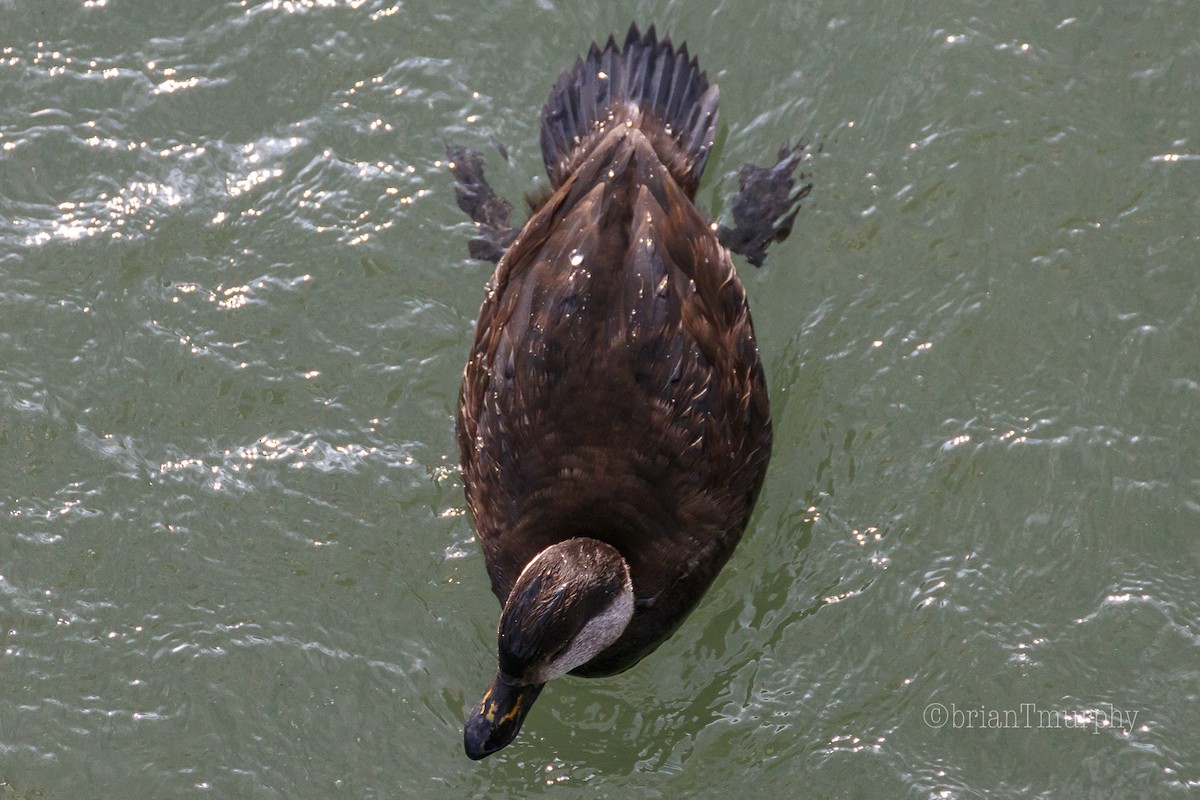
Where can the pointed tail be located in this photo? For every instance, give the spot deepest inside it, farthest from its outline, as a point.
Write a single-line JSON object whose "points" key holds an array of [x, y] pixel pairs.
{"points": [[645, 82]]}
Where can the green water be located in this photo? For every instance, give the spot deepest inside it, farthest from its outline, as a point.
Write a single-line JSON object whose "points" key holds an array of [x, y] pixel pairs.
{"points": [[234, 307]]}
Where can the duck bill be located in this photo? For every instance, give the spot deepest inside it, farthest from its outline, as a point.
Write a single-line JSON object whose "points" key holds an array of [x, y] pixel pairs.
{"points": [[497, 719]]}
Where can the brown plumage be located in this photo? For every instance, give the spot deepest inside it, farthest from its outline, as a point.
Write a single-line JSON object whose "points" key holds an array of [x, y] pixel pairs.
{"points": [[614, 390]]}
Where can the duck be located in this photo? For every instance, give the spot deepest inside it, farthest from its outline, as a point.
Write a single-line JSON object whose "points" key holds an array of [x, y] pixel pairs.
{"points": [[613, 424]]}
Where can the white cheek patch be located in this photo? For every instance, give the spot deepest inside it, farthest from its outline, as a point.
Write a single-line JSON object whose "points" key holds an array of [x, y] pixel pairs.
{"points": [[599, 632]]}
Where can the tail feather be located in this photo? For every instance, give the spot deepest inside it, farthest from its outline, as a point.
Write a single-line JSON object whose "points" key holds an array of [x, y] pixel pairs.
{"points": [[613, 84]]}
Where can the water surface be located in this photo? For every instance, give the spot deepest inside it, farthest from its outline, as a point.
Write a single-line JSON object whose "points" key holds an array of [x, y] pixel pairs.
{"points": [[235, 302]]}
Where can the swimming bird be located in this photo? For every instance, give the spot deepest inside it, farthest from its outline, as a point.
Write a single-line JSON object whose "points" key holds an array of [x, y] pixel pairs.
{"points": [[613, 423]]}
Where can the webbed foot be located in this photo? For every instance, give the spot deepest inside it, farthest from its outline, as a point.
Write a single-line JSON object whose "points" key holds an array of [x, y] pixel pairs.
{"points": [[766, 206], [479, 201]]}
